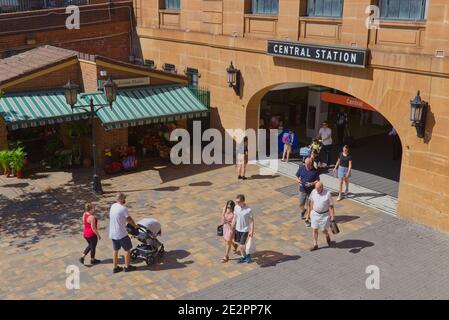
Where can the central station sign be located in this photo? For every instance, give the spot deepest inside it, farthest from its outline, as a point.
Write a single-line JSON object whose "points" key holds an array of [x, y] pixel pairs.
{"points": [[348, 56]]}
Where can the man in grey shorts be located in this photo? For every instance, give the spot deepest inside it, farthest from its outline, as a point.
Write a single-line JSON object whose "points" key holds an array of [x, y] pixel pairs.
{"points": [[118, 219], [306, 176]]}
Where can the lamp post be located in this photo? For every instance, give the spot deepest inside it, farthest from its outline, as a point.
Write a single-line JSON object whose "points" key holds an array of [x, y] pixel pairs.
{"points": [[71, 96], [418, 114], [233, 78]]}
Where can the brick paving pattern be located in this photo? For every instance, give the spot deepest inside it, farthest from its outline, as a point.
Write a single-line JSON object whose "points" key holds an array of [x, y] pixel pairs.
{"points": [[41, 236]]}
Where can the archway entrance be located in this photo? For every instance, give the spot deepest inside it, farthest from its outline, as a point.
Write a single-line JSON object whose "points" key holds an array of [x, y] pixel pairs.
{"points": [[375, 147]]}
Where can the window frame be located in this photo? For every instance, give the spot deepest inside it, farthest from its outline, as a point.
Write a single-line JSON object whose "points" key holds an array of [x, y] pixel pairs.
{"points": [[315, 15], [273, 12], [174, 8], [423, 16]]}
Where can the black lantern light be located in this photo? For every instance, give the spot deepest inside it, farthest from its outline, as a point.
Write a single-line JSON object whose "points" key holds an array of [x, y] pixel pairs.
{"points": [[233, 77], [110, 91], [418, 113], [71, 93]]}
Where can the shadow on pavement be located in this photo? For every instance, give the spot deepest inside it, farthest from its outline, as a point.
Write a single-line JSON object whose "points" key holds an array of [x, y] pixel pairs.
{"points": [[16, 185], [269, 258], [260, 176], [345, 218], [169, 261], [355, 246]]}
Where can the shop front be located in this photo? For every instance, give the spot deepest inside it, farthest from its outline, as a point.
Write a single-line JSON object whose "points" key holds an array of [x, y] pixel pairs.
{"points": [[36, 119]]}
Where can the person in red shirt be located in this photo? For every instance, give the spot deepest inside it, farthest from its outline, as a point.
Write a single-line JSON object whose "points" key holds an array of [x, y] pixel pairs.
{"points": [[90, 233]]}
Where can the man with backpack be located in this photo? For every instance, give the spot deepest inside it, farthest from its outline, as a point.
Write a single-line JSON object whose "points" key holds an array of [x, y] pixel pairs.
{"points": [[287, 140]]}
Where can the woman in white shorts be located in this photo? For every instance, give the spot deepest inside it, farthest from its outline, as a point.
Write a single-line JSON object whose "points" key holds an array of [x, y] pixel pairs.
{"points": [[322, 213]]}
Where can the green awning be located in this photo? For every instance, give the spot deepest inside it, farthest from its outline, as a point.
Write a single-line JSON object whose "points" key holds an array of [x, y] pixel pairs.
{"points": [[133, 107], [139, 106], [31, 109]]}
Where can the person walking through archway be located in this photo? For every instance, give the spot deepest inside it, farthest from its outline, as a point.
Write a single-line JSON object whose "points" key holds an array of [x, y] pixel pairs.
{"points": [[325, 135], [321, 209], [343, 168], [287, 139]]}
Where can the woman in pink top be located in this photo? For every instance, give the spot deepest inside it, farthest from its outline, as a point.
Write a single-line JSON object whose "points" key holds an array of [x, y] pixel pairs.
{"points": [[228, 230], [90, 233]]}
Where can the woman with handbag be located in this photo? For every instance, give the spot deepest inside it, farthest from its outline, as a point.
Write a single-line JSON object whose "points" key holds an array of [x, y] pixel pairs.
{"points": [[322, 213], [228, 230]]}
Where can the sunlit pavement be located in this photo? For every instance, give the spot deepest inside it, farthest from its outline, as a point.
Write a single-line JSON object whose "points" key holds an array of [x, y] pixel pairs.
{"points": [[41, 236]]}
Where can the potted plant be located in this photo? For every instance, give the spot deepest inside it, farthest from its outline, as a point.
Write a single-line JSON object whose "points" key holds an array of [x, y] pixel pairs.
{"points": [[5, 159], [18, 161]]}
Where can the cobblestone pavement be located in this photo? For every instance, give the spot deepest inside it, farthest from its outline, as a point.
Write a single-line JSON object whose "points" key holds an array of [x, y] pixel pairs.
{"points": [[41, 235]]}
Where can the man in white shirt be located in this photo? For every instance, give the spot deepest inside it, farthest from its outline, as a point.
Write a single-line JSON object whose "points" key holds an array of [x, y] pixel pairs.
{"points": [[244, 226], [118, 219], [325, 135], [322, 208]]}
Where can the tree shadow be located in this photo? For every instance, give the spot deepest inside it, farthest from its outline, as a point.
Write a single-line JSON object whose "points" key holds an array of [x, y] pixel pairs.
{"points": [[34, 216], [269, 258], [355, 246]]}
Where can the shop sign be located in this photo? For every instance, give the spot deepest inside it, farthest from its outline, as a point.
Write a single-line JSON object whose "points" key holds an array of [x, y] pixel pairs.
{"points": [[131, 82], [345, 101], [348, 56]]}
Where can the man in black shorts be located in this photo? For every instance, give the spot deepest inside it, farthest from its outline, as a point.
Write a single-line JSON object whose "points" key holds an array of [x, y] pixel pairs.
{"points": [[244, 226]]}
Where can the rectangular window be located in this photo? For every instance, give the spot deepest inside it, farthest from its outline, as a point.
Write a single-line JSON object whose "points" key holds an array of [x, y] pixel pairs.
{"points": [[325, 8], [173, 4], [266, 7], [411, 10], [193, 76]]}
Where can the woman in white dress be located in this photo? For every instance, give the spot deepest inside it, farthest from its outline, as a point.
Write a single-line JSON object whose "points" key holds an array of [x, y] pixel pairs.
{"points": [[322, 213]]}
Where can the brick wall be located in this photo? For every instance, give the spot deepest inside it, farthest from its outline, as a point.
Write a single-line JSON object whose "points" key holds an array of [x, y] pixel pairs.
{"points": [[109, 139], [104, 30], [3, 135], [56, 81], [89, 76]]}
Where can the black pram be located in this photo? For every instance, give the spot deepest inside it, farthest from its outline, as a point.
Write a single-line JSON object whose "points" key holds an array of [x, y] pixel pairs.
{"points": [[147, 232]]}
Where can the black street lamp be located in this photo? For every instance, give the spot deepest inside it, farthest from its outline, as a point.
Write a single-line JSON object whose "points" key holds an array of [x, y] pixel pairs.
{"points": [[71, 96], [233, 77], [418, 114]]}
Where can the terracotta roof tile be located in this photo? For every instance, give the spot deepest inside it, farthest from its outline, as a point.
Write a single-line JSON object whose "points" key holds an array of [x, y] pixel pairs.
{"points": [[32, 60]]}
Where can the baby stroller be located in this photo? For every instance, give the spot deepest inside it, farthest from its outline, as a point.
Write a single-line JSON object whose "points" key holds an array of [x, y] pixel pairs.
{"points": [[150, 248]]}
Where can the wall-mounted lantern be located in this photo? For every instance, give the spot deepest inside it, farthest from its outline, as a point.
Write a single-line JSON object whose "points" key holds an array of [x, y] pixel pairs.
{"points": [[418, 114], [234, 78]]}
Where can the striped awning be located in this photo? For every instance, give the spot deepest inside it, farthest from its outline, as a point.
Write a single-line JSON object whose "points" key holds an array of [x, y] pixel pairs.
{"points": [[23, 110], [146, 105], [133, 107]]}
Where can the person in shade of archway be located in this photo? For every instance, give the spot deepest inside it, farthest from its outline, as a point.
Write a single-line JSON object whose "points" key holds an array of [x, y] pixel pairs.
{"points": [[322, 212], [343, 168], [397, 149]]}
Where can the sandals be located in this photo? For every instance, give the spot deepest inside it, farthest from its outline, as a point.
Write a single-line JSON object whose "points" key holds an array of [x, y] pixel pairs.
{"points": [[225, 259]]}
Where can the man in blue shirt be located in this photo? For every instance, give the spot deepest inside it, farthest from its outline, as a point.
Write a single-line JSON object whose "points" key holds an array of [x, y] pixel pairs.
{"points": [[307, 177]]}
